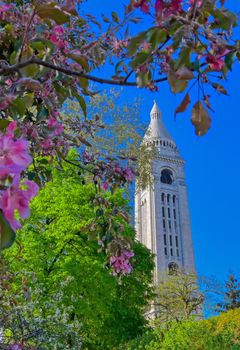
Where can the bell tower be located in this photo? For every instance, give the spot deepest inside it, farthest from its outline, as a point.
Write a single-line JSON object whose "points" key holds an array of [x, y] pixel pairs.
{"points": [[162, 216]]}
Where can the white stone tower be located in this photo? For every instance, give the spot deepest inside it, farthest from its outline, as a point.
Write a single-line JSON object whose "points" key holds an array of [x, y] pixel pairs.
{"points": [[161, 210]]}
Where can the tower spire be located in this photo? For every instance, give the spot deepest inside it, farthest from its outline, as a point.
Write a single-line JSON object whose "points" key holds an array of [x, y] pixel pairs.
{"points": [[156, 129]]}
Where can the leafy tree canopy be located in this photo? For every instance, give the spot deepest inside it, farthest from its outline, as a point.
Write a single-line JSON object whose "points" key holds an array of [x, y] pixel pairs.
{"points": [[57, 253], [220, 332]]}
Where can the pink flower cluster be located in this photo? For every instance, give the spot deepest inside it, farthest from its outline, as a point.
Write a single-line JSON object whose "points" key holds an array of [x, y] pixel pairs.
{"points": [[121, 264], [117, 174], [165, 8], [142, 4], [58, 37], [56, 127], [4, 8], [199, 2], [15, 194]]}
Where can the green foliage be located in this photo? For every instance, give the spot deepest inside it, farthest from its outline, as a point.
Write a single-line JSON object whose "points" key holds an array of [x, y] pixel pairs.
{"points": [[221, 332], [119, 133], [56, 246]]}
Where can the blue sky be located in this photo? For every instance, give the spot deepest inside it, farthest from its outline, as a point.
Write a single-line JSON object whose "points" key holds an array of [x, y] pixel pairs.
{"points": [[212, 165]]}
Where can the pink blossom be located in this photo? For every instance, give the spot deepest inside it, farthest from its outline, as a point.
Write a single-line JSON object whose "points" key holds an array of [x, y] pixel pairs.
{"points": [[47, 144], [216, 62], [57, 37], [54, 124], [120, 263], [14, 152], [199, 2], [17, 197], [143, 5], [128, 254], [128, 174], [117, 169], [11, 128], [105, 185], [5, 101], [165, 8], [3, 9], [118, 46], [15, 346]]}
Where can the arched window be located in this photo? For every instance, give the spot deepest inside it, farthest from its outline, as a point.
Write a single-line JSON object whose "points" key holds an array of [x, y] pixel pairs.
{"points": [[173, 268], [167, 176]]}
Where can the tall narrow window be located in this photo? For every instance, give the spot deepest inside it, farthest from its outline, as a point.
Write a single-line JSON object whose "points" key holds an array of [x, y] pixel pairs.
{"points": [[169, 213], [163, 196], [171, 252], [174, 199], [177, 253], [169, 225], [170, 237], [168, 198], [174, 213], [163, 212], [164, 224], [176, 239], [165, 239], [175, 225], [165, 251]]}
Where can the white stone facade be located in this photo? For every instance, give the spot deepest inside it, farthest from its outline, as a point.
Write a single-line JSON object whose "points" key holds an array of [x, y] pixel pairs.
{"points": [[162, 216]]}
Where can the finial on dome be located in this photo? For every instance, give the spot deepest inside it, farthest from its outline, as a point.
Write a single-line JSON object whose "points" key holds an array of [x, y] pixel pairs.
{"points": [[155, 112]]}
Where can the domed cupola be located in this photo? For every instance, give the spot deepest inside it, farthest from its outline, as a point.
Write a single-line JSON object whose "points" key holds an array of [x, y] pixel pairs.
{"points": [[158, 135]]}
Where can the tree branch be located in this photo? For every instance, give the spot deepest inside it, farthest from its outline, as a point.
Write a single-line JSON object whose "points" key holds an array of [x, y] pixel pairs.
{"points": [[57, 256], [8, 69]]}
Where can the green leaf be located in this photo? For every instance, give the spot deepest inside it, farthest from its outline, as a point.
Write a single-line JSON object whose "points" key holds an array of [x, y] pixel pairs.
{"points": [[19, 105], [4, 124], [7, 235], [43, 114], [82, 104], [140, 58], [115, 17], [229, 60], [81, 60], [224, 19], [183, 59], [155, 36], [32, 69], [143, 79], [135, 42], [28, 98], [54, 12], [83, 82]]}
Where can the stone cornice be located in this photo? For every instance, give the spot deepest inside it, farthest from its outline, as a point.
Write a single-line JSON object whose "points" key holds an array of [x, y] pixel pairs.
{"points": [[173, 159]]}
